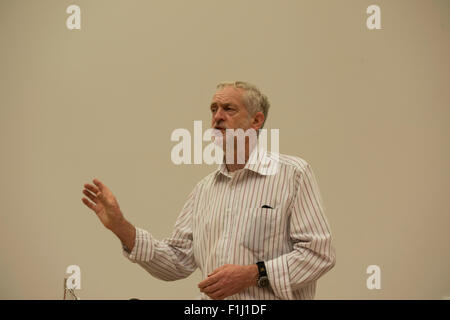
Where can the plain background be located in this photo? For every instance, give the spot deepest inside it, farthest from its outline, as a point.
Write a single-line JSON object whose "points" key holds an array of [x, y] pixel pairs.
{"points": [[369, 111]]}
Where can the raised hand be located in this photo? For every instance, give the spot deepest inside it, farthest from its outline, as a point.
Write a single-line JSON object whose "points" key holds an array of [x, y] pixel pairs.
{"points": [[104, 204]]}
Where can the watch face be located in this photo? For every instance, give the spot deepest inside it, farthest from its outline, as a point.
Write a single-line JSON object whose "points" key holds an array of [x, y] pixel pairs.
{"points": [[263, 282]]}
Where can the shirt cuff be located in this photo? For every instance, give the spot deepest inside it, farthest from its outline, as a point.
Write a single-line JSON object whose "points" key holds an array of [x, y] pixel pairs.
{"points": [[278, 274], [143, 247]]}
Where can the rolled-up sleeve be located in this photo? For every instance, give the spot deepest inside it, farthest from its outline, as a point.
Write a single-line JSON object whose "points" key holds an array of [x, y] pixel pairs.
{"points": [[169, 259], [312, 254]]}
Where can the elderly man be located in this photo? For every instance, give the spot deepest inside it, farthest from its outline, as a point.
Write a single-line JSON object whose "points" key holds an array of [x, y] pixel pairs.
{"points": [[253, 234]]}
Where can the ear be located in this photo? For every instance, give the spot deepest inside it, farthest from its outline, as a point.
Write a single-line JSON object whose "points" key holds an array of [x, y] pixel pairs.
{"points": [[258, 120]]}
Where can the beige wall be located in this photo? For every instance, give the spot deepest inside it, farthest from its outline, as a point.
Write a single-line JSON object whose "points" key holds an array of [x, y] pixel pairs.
{"points": [[369, 110]]}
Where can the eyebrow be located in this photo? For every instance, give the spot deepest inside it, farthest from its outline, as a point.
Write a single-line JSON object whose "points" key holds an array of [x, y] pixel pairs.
{"points": [[226, 104]]}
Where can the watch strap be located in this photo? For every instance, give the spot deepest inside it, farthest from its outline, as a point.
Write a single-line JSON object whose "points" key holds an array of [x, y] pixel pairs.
{"points": [[261, 269]]}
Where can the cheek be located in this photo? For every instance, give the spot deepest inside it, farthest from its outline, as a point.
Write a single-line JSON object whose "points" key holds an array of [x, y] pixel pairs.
{"points": [[244, 123]]}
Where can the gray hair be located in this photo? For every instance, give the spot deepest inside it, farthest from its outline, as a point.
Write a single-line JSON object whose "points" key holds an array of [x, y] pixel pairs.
{"points": [[254, 100]]}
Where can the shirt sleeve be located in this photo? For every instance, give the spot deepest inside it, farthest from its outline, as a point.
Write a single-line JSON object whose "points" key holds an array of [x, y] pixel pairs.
{"points": [[169, 259], [312, 254]]}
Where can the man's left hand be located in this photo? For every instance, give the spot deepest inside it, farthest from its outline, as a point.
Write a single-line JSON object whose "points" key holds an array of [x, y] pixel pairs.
{"points": [[229, 279]]}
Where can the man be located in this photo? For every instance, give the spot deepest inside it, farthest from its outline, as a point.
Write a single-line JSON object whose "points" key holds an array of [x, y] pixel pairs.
{"points": [[254, 234]]}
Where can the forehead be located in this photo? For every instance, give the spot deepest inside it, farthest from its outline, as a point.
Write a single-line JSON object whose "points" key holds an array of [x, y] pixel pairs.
{"points": [[229, 95]]}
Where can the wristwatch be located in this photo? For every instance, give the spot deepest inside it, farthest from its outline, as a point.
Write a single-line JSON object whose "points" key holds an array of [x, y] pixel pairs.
{"points": [[263, 280]]}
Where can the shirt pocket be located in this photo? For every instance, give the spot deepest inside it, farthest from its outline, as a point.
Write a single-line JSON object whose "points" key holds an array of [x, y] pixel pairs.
{"points": [[262, 232]]}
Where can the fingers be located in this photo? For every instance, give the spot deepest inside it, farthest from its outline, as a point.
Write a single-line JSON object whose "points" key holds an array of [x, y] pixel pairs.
{"points": [[99, 184], [207, 282], [92, 188], [97, 191], [90, 195], [212, 289], [104, 191], [210, 280], [217, 270], [219, 296], [94, 193], [88, 204], [218, 285]]}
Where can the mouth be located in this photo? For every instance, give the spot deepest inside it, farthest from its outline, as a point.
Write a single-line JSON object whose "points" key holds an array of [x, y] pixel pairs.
{"points": [[222, 133]]}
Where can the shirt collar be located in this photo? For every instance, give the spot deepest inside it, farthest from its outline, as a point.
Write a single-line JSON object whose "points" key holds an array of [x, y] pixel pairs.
{"points": [[260, 161]]}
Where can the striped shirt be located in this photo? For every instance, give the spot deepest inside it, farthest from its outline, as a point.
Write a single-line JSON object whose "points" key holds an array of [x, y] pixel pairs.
{"points": [[224, 222]]}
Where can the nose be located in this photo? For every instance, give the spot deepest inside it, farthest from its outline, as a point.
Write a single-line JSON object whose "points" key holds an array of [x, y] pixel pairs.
{"points": [[219, 116]]}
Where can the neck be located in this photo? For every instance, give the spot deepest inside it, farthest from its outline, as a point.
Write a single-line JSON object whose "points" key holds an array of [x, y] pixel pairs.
{"points": [[231, 167]]}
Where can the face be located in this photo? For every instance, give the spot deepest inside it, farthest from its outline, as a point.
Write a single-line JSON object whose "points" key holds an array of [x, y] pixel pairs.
{"points": [[229, 112]]}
